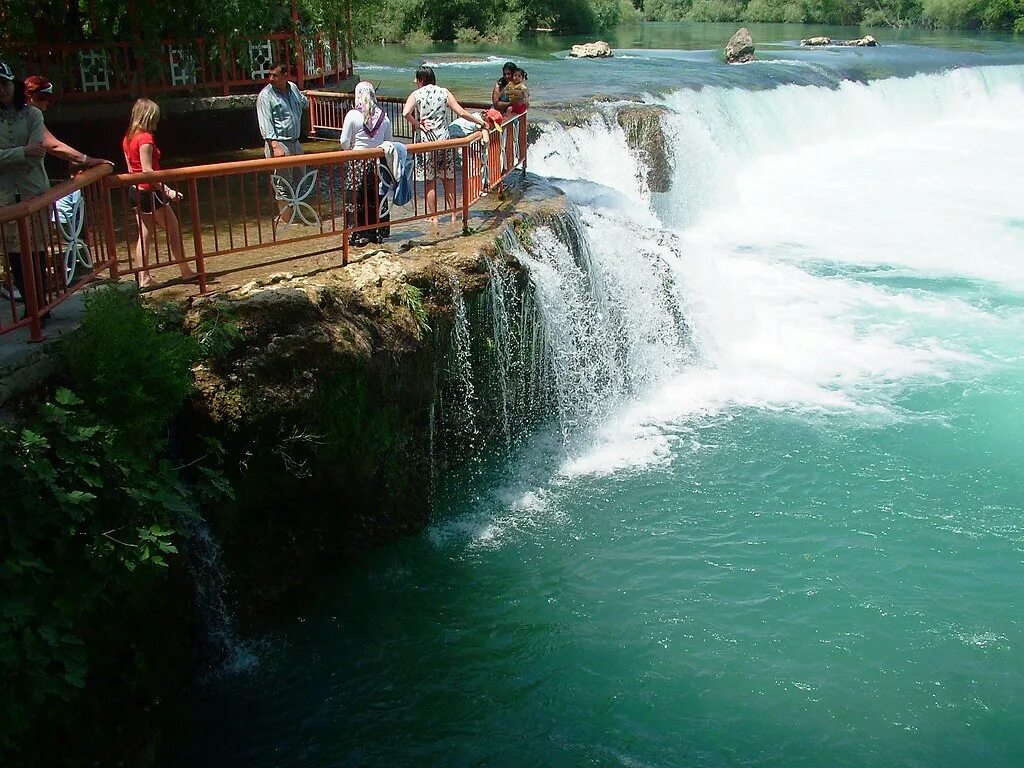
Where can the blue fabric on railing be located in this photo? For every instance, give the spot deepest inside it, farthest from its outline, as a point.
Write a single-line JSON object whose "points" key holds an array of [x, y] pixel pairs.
{"points": [[398, 176]]}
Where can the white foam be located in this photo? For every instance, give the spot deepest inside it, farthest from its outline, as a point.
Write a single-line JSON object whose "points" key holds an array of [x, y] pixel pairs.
{"points": [[800, 206]]}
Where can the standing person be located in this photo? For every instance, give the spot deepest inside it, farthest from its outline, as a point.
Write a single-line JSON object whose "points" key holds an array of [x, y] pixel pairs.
{"points": [[498, 101], [425, 110], [150, 199], [39, 93], [22, 176], [279, 109], [366, 126]]}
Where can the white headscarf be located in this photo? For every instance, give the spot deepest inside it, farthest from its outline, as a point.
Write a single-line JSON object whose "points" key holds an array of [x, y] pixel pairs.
{"points": [[366, 102]]}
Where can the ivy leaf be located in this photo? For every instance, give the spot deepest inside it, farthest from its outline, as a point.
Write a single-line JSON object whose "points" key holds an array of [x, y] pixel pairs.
{"points": [[79, 497], [31, 440], [67, 397]]}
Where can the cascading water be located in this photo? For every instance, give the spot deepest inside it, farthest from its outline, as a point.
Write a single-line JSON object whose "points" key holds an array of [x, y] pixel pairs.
{"points": [[761, 504], [226, 652]]}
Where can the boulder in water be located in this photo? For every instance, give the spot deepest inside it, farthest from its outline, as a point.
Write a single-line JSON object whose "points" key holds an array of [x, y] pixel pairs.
{"points": [[867, 40], [740, 48], [596, 50], [646, 137]]}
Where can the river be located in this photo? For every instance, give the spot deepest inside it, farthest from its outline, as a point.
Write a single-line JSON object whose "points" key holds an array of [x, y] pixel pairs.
{"points": [[776, 518]]}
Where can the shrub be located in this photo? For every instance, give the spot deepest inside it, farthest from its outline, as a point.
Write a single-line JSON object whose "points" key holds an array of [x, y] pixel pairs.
{"points": [[629, 13], [417, 39], [468, 35], [88, 521], [715, 10], [129, 369]]}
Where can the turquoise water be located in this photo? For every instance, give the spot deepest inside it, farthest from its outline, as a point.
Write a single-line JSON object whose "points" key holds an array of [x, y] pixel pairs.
{"points": [[777, 518]]}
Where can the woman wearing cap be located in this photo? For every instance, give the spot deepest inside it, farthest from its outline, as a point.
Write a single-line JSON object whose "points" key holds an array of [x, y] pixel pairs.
{"points": [[151, 199], [22, 175], [39, 94]]}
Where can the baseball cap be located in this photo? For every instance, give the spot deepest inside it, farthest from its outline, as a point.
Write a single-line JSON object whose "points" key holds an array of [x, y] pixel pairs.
{"points": [[5, 71], [37, 86]]}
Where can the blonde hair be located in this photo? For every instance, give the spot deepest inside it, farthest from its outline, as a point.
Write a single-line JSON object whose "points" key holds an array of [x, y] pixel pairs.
{"points": [[145, 116]]}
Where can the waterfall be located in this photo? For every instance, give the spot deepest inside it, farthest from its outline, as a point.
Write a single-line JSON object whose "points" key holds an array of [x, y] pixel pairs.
{"points": [[636, 306], [226, 654]]}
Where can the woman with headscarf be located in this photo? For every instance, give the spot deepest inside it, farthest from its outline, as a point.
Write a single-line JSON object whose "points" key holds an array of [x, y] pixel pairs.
{"points": [[366, 126], [22, 175]]}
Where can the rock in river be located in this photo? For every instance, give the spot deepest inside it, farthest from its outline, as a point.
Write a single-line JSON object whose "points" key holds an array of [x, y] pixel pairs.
{"points": [[740, 48], [596, 50]]}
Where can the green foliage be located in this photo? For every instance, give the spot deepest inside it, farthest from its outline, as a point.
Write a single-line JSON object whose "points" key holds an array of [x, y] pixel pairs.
{"points": [[411, 298], [218, 333], [130, 369], [789, 11], [468, 35], [88, 519], [91, 511], [715, 10], [629, 13], [417, 38]]}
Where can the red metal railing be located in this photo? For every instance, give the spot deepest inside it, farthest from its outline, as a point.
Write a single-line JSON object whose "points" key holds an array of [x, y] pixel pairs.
{"points": [[327, 111], [97, 71], [270, 205], [36, 242]]}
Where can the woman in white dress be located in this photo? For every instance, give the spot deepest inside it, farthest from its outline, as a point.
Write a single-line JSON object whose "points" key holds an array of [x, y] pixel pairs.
{"points": [[425, 111]]}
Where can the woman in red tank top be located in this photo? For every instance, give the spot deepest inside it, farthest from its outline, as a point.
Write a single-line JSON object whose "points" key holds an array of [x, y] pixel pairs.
{"points": [[151, 199]]}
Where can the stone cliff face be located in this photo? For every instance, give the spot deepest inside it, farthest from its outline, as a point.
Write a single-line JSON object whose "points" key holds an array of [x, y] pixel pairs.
{"points": [[323, 398]]}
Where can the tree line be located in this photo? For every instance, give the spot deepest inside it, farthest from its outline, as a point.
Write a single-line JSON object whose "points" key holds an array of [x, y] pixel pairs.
{"points": [[469, 21]]}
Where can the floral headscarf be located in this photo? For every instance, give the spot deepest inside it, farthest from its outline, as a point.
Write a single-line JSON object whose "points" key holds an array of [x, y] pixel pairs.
{"points": [[366, 102]]}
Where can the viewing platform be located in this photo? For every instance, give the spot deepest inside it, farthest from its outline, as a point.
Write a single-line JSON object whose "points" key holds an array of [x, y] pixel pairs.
{"points": [[233, 230]]}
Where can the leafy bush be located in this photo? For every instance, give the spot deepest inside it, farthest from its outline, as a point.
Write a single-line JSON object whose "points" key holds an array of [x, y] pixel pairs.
{"points": [[468, 35], [88, 519], [774, 11], [127, 367], [715, 10], [417, 38], [629, 13]]}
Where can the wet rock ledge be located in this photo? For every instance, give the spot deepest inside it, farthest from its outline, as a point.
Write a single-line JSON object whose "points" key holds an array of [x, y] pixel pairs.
{"points": [[322, 397]]}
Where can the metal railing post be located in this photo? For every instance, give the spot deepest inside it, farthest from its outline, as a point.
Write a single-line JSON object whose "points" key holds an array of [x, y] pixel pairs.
{"points": [[108, 228], [465, 189], [344, 214], [197, 233], [28, 278], [523, 145]]}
